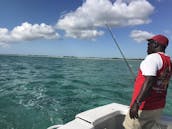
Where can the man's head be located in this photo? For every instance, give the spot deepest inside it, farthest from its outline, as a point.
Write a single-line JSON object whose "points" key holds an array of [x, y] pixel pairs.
{"points": [[157, 43]]}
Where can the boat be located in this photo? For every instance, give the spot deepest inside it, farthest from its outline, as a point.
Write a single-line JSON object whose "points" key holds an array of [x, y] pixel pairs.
{"points": [[110, 116]]}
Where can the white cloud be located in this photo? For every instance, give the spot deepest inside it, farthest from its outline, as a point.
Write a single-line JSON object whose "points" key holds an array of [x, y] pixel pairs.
{"points": [[140, 36], [5, 45], [84, 34], [27, 32], [85, 22], [82, 23], [4, 35]]}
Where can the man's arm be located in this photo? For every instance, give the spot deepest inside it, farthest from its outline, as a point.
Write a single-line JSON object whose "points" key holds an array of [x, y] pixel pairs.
{"points": [[144, 93]]}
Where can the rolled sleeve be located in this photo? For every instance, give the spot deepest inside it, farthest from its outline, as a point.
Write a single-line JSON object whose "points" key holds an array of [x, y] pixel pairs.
{"points": [[151, 64]]}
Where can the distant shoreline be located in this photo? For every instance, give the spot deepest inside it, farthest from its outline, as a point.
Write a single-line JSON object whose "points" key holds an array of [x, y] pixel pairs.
{"points": [[71, 57]]}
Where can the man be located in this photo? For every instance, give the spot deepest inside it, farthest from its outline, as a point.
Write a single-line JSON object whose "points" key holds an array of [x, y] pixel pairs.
{"points": [[150, 87]]}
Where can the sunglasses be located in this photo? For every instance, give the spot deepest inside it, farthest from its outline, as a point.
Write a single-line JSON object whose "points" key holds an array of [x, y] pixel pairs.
{"points": [[152, 42]]}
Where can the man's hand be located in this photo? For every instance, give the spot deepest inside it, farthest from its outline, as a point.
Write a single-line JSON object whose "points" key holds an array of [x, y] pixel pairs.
{"points": [[144, 93], [134, 111]]}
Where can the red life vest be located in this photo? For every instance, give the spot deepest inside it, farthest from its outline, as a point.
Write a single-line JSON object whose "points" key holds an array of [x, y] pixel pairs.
{"points": [[157, 96]]}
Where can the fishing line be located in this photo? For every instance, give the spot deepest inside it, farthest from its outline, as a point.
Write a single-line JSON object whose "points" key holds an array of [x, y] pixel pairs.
{"points": [[123, 56]]}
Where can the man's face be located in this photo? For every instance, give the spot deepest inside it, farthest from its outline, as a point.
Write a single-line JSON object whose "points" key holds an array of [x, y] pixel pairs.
{"points": [[151, 47]]}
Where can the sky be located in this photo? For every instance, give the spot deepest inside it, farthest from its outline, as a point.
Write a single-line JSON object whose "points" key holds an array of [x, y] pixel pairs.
{"points": [[79, 27]]}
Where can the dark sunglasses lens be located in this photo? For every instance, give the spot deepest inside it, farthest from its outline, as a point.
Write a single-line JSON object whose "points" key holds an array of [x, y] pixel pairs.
{"points": [[151, 42]]}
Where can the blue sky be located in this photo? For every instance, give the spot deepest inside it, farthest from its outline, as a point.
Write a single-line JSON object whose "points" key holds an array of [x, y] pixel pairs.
{"points": [[77, 27]]}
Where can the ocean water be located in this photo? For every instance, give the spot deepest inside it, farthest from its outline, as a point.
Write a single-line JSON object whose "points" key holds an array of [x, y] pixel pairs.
{"points": [[37, 92]]}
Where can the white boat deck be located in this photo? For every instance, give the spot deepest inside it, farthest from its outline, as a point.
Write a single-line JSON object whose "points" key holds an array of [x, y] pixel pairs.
{"points": [[109, 116]]}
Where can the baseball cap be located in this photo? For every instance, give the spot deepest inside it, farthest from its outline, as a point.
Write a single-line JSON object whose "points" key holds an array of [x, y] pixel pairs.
{"points": [[160, 39]]}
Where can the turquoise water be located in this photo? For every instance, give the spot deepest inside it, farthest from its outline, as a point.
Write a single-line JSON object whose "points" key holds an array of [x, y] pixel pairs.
{"points": [[37, 92]]}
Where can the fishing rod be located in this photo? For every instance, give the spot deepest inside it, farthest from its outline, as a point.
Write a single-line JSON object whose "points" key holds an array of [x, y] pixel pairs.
{"points": [[123, 56]]}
